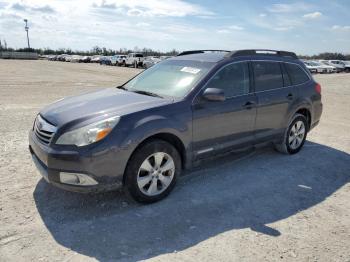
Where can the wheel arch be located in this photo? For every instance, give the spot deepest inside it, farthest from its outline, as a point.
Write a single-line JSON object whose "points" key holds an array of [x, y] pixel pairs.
{"points": [[171, 138], [303, 107], [305, 112]]}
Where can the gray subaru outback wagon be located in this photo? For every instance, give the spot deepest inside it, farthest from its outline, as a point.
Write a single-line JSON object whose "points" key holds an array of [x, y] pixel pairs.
{"points": [[201, 103]]}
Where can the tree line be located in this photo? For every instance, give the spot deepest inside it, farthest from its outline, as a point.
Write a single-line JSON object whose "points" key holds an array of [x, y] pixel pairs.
{"points": [[96, 50], [328, 56]]}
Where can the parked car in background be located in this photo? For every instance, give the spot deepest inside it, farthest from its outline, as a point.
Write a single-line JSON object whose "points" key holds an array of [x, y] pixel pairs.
{"points": [[134, 59], [85, 59], [105, 60], [347, 66], [95, 59], [180, 112], [118, 60], [335, 63], [326, 68], [314, 69], [151, 61], [52, 57], [68, 58], [75, 59], [61, 57]]}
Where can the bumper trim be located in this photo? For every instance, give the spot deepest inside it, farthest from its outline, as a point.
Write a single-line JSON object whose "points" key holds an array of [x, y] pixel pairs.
{"points": [[40, 166]]}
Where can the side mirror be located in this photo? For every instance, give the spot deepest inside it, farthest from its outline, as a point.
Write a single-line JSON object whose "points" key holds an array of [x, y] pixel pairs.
{"points": [[214, 94]]}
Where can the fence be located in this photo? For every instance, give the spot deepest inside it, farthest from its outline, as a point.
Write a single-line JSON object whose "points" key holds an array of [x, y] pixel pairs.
{"points": [[19, 55]]}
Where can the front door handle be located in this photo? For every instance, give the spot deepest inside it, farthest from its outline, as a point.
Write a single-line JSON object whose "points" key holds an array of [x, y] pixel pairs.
{"points": [[290, 96], [249, 105]]}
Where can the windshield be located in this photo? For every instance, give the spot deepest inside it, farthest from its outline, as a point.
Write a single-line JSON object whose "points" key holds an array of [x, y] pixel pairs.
{"points": [[172, 78]]}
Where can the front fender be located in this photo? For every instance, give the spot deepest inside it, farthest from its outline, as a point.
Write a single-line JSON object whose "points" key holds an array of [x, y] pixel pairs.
{"points": [[157, 124]]}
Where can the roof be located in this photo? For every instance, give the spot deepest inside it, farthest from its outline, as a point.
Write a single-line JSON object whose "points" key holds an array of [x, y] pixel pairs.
{"points": [[204, 57], [218, 55]]}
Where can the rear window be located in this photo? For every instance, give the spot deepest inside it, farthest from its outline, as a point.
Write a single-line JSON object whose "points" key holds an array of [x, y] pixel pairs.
{"points": [[297, 75], [138, 55], [268, 76]]}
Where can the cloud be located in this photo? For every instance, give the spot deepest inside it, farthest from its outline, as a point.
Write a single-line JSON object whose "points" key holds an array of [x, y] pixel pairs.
{"points": [[223, 31], [229, 29], [341, 28], [27, 8], [167, 24], [288, 8], [143, 24], [236, 27], [283, 28], [313, 15], [154, 8]]}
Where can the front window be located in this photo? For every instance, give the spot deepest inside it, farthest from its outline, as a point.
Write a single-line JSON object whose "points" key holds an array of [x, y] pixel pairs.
{"points": [[174, 78], [233, 79]]}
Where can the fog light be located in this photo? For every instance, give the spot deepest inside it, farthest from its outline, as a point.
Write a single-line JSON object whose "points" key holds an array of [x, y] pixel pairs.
{"points": [[77, 179]]}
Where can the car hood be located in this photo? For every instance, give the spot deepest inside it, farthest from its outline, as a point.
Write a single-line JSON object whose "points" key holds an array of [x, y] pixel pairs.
{"points": [[111, 101]]}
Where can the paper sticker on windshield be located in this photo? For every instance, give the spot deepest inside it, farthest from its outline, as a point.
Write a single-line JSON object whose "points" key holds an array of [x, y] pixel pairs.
{"points": [[190, 70]]}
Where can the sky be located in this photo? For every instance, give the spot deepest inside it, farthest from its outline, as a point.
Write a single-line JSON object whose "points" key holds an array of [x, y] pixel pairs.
{"points": [[305, 27]]}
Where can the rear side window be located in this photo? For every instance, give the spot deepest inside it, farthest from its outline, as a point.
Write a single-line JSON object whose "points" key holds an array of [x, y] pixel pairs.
{"points": [[297, 75], [233, 79], [268, 76]]}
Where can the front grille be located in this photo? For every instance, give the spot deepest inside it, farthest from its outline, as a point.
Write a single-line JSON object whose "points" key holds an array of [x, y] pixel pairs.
{"points": [[43, 130]]}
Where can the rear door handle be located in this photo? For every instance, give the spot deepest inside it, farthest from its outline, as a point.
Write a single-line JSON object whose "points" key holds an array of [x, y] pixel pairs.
{"points": [[290, 96], [249, 105]]}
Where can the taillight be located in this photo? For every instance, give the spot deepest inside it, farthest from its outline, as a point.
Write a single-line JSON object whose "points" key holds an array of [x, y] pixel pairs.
{"points": [[318, 88]]}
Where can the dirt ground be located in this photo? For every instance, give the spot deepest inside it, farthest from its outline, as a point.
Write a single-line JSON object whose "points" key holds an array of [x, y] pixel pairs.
{"points": [[263, 206]]}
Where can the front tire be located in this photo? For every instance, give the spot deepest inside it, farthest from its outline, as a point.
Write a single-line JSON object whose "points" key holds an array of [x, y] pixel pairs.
{"points": [[294, 136], [152, 171]]}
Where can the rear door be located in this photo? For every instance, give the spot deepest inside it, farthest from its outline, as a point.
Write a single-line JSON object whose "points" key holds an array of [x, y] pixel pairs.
{"points": [[274, 94]]}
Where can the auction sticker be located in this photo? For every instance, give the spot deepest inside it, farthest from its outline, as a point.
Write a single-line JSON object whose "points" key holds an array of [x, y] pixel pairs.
{"points": [[190, 70]]}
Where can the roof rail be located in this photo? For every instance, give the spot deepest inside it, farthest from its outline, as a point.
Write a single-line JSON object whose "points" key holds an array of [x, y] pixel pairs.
{"points": [[191, 52], [248, 52]]}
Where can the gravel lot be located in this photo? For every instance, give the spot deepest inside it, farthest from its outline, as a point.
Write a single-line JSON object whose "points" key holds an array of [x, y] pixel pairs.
{"points": [[260, 206]]}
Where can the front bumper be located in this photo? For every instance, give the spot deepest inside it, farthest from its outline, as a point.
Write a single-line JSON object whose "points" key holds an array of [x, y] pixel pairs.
{"points": [[98, 165]]}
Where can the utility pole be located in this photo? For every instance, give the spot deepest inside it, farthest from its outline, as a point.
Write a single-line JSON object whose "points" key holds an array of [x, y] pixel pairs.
{"points": [[27, 29]]}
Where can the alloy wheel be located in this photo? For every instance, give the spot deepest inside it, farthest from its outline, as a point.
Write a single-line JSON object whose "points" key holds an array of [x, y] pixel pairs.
{"points": [[296, 135], [156, 173]]}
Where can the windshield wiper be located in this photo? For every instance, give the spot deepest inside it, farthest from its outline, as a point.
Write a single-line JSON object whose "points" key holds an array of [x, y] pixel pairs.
{"points": [[122, 87], [142, 92]]}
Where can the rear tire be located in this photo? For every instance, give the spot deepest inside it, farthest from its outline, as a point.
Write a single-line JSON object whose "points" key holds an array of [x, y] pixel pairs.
{"points": [[294, 136], [152, 171]]}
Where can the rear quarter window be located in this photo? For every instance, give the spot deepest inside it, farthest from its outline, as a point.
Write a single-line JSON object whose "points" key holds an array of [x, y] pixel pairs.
{"points": [[297, 75]]}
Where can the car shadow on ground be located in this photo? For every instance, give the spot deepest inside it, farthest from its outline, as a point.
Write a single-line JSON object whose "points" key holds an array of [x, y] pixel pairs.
{"points": [[227, 194]]}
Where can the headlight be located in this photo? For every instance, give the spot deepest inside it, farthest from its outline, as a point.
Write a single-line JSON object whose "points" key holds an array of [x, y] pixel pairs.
{"points": [[88, 134]]}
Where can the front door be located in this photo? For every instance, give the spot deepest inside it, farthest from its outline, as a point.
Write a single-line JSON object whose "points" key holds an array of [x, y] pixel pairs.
{"points": [[225, 125]]}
